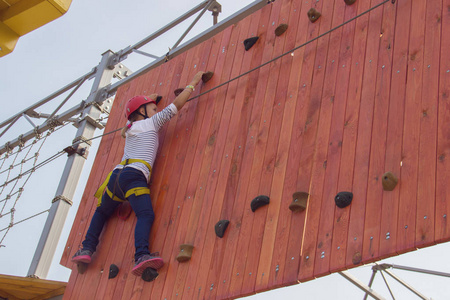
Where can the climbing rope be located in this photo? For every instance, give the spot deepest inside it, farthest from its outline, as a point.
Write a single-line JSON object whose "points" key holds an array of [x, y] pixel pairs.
{"points": [[296, 48], [262, 65]]}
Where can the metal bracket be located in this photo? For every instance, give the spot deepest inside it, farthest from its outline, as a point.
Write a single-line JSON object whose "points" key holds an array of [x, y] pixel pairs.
{"points": [[71, 150], [65, 199], [94, 122], [121, 71], [102, 94]]}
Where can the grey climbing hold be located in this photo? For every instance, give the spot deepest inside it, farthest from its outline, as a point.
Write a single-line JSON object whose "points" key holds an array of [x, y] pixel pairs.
{"points": [[349, 2], [158, 99], [259, 201], [220, 227], [343, 199], [248, 43], [113, 271], [299, 201]]}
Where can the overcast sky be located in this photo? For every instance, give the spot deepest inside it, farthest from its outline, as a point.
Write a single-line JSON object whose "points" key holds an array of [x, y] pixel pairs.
{"points": [[60, 52]]}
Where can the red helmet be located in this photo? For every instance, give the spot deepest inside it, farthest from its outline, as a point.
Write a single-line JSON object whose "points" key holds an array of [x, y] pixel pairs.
{"points": [[134, 103]]}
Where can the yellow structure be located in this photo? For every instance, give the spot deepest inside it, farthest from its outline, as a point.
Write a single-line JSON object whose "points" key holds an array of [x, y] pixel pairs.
{"points": [[19, 17]]}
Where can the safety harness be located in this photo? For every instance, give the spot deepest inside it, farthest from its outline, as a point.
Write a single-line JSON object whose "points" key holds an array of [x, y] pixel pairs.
{"points": [[134, 191]]}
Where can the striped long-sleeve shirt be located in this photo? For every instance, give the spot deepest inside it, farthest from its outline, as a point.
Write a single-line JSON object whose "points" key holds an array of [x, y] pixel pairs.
{"points": [[142, 139]]}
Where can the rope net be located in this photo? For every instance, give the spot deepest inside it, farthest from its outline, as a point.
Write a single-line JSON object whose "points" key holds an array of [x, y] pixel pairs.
{"points": [[16, 168]]}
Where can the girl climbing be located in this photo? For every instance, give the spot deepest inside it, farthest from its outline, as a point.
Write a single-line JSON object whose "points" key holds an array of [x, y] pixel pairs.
{"points": [[129, 179]]}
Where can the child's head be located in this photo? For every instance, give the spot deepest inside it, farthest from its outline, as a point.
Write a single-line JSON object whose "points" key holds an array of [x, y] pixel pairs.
{"points": [[141, 107]]}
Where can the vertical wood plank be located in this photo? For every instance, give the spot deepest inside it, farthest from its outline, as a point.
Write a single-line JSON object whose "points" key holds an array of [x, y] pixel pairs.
{"points": [[214, 248], [378, 143], [411, 128], [426, 188], [370, 35], [332, 112], [318, 127], [245, 217], [241, 158], [389, 214], [343, 139], [277, 151], [443, 145], [207, 180], [196, 147], [301, 142], [288, 155]]}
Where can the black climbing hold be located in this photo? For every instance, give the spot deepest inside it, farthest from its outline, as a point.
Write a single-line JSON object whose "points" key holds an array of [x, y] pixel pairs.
{"points": [[343, 199], [349, 2], [207, 76], [259, 201], [158, 99], [149, 274], [299, 202], [113, 271], [248, 43], [313, 15], [389, 181], [220, 227], [178, 91], [281, 29], [185, 252]]}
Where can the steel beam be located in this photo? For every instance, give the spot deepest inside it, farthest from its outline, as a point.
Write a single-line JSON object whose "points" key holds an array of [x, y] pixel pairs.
{"points": [[59, 209], [361, 285]]}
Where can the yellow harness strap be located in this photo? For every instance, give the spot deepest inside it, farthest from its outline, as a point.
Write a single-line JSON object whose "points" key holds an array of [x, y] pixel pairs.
{"points": [[137, 191]]}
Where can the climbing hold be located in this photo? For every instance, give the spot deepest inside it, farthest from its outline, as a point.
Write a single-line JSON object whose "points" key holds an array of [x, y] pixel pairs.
{"points": [[343, 199], [178, 91], [149, 274], [299, 202], [207, 76], [281, 29], [220, 227], [389, 181], [259, 201], [82, 267], [158, 99], [248, 43], [124, 211], [185, 252], [313, 15], [357, 257], [349, 2], [113, 271]]}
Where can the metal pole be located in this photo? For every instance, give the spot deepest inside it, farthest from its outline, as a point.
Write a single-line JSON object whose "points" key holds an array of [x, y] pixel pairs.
{"points": [[372, 278], [61, 203], [361, 285], [406, 285]]}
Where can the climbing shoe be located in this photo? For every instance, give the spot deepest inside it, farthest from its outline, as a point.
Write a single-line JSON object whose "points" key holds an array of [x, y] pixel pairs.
{"points": [[82, 256], [147, 261]]}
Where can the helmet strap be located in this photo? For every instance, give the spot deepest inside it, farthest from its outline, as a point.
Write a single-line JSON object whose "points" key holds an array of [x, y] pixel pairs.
{"points": [[144, 115]]}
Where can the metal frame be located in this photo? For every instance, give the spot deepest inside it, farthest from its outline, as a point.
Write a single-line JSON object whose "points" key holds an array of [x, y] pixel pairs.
{"points": [[384, 268], [92, 108]]}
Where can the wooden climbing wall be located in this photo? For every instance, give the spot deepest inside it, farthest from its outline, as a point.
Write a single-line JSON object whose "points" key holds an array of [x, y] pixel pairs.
{"points": [[334, 115]]}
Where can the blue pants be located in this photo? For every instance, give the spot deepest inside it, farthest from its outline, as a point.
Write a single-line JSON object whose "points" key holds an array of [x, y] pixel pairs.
{"points": [[120, 182]]}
